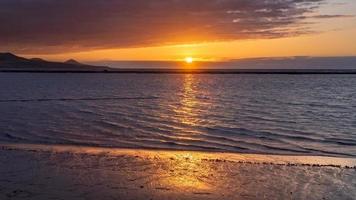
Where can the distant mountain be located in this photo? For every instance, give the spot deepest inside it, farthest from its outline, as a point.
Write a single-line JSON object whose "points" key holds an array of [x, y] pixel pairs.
{"points": [[11, 62], [37, 59], [73, 62]]}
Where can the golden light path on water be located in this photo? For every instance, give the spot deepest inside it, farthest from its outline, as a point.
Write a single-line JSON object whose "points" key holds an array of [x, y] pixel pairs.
{"points": [[190, 111], [186, 170], [186, 110]]}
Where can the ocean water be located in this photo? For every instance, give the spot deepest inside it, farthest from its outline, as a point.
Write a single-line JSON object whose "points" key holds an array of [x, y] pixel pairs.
{"points": [[270, 114]]}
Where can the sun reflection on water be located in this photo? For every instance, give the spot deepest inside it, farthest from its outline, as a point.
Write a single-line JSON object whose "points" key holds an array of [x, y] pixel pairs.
{"points": [[188, 103], [186, 171]]}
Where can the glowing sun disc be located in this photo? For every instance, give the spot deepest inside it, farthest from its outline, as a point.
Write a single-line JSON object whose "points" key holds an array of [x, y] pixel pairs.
{"points": [[189, 60]]}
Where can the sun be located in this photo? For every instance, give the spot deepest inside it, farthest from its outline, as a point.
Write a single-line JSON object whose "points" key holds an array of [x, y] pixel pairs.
{"points": [[189, 60]]}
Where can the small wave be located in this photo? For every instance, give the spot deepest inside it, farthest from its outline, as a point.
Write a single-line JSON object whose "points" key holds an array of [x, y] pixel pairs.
{"points": [[12, 137], [76, 99], [341, 142], [266, 136]]}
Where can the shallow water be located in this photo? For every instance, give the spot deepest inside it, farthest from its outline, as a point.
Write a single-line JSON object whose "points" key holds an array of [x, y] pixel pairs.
{"points": [[273, 114], [101, 173]]}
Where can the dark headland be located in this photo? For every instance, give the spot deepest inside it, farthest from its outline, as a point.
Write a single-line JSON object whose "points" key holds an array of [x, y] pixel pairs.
{"points": [[299, 65], [12, 63]]}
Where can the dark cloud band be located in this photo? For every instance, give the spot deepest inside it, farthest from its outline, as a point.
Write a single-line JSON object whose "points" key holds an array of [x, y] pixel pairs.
{"points": [[73, 25]]}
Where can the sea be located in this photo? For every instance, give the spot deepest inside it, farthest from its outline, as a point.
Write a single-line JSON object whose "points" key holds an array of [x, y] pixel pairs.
{"points": [[244, 113]]}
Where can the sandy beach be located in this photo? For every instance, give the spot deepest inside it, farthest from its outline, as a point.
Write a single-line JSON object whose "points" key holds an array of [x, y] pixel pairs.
{"points": [[72, 172]]}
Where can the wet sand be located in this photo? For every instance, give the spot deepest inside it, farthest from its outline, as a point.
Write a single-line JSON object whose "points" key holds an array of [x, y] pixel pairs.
{"points": [[71, 172]]}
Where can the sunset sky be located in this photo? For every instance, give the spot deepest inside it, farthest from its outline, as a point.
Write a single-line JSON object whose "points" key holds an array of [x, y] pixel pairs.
{"points": [[213, 30]]}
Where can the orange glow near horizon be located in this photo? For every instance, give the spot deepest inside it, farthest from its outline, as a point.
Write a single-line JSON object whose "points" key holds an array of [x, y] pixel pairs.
{"points": [[334, 43]]}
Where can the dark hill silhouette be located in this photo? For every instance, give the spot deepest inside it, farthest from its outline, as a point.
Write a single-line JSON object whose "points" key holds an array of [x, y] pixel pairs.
{"points": [[11, 62], [37, 59], [9, 57], [73, 62]]}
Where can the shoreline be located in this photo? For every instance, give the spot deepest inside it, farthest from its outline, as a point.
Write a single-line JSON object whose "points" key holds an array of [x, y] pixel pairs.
{"points": [[253, 158], [68, 172]]}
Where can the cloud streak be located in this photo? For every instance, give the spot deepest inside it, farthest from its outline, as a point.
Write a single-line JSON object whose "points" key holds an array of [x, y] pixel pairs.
{"points": [[52, 26]]}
